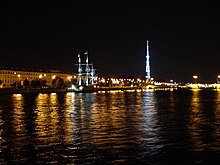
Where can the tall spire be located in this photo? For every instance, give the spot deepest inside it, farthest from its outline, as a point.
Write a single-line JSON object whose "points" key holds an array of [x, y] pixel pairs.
{"points": [[147, 62]]}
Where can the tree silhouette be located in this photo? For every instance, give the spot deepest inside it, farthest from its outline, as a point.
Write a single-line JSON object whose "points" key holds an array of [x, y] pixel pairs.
{"points": [[58, 83], [26, 83]]}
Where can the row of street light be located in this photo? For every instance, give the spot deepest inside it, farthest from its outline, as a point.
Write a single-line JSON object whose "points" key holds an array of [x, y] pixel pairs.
{"points": [[195, 77]]}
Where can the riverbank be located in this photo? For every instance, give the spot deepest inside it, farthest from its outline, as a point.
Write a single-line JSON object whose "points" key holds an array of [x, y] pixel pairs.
{"points": [[30, 90], [118, 88], [57, 90]]}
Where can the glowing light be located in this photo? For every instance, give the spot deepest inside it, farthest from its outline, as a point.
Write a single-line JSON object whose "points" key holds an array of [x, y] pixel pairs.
{"points": [[103, 80], [69, 77], [195, 77], [147, 62]]}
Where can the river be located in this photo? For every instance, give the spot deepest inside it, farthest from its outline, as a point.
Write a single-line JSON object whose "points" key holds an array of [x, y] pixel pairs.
{"points": [[116, 127]]}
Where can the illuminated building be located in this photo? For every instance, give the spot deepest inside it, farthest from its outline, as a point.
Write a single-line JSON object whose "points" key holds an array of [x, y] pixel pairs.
{"points": [[11, 76]]}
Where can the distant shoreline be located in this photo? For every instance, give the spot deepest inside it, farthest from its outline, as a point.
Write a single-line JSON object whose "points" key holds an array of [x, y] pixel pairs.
{"points": [[57, 90], [30, 90], [63, 90]]}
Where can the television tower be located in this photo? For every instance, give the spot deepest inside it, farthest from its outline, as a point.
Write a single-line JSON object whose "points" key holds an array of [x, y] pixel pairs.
{"points": [[147, 63]]}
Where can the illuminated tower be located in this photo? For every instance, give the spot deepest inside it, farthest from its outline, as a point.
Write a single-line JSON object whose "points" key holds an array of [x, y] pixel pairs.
{"points": [[147, 63]]}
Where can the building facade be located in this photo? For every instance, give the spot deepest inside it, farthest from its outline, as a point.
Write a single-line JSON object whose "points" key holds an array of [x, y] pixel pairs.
{"points": [[8, 77]]}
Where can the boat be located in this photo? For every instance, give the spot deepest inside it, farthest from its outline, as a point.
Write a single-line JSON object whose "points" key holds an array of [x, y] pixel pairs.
{"points": [[86, 77]]}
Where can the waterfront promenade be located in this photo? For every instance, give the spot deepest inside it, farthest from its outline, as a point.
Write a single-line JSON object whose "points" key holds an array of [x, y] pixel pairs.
{"points": [[30, 90], [56, 90], [105, 88]]}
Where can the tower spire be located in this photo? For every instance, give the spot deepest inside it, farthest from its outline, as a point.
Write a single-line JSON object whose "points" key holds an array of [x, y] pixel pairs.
{"points": [[147, 62]]}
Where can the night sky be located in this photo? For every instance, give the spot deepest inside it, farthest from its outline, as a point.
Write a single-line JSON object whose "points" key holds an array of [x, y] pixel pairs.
{"points": [[183, 37]]}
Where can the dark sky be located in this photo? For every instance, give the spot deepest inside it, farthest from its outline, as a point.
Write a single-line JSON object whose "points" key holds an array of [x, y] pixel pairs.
{"points": [[183, 37]]}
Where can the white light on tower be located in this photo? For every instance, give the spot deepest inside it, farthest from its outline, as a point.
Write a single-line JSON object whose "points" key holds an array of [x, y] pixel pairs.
{"points": [[147, 62]]}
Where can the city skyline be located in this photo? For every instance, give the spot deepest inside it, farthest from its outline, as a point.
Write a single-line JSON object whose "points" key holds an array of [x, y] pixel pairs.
{"points": [[183, 38]]}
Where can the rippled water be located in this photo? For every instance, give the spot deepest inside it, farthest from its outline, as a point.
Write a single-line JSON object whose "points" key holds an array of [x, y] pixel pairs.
{"points": [[136, 127]]}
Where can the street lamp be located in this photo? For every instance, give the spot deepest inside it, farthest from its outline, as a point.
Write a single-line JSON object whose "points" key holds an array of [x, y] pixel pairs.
{"points": [[69, 78], [18, 80], [195, 79], [218, 80], [151, 80]]}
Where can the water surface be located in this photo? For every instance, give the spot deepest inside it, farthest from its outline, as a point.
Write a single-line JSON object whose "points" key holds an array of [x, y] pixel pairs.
{"points": [[133, 127]]}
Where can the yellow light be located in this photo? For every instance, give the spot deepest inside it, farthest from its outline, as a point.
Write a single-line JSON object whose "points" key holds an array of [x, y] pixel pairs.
{"points": [[195, 77], [69, 77], [40, 76], [54, 76]]}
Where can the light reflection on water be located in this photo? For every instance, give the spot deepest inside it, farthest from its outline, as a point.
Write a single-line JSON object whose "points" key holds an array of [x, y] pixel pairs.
{"points": [[134, 127]]}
